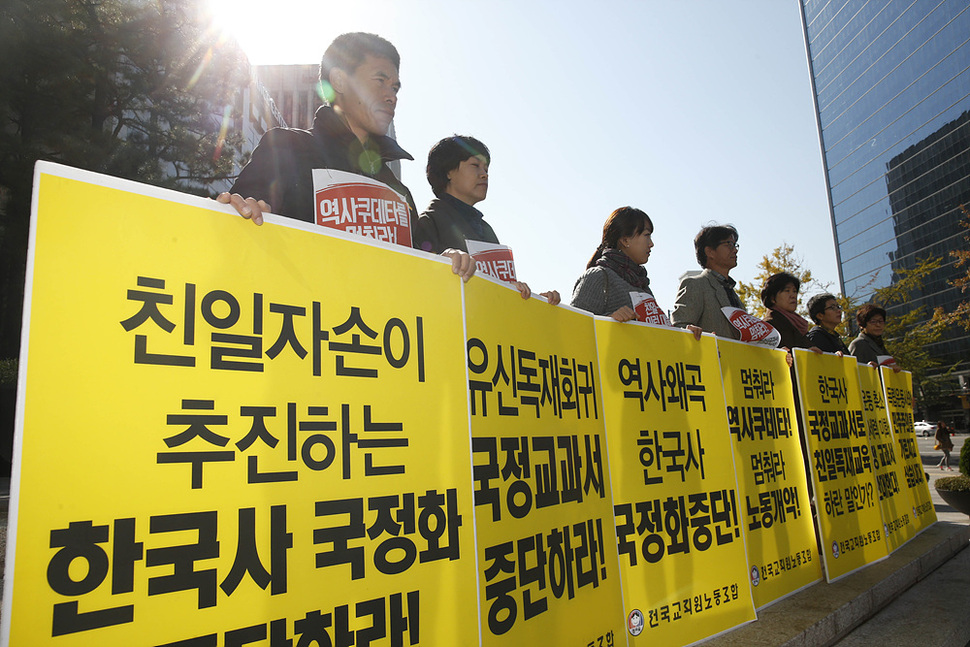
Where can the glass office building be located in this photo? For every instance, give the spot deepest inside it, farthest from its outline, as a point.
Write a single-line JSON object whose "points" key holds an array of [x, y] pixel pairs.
{"points": [[891, 81]]}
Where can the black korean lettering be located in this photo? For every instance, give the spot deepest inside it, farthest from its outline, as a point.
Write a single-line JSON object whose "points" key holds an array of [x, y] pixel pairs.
{"points": [[593, 481], [676, 525], [310, 443], [354, 321], [79, 541], [527, 384], [532, 570], [371, 426], [569, 469], [339, 537], [198, 426], [439, 515], [258, 431], [518, 498], [624, 530], [247, 556], [478, 368], [183, 576], [395, 517], [502, 375], [149, 309], [484, 473], [287, 336], [561, 563], [503, 611], [547, 485], [314, 628]]}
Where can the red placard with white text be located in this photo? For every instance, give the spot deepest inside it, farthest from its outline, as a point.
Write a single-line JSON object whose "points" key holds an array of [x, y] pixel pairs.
{"points": [[360, 205]]}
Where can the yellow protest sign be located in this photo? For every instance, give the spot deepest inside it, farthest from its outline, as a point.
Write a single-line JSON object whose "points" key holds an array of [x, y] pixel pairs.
{"points": [[898, 393], [894, 499], [678, 520], [224, 440], [548, 570], [776, 506], [843, 470]]}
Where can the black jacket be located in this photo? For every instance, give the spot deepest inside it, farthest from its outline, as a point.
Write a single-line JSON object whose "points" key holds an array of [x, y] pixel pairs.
{"points": [[281, 168], [790, 337], [827, 341], [447, 223]]}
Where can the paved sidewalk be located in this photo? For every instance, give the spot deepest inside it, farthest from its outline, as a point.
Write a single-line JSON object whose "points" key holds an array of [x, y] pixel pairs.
{"points": [[919, 595]]}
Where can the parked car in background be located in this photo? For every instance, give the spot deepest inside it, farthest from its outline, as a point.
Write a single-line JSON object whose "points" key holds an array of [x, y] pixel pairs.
{"points": [[924, 428]]}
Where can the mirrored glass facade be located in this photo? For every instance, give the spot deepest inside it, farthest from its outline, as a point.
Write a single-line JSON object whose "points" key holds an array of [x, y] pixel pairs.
{"points": [[892, 89]]}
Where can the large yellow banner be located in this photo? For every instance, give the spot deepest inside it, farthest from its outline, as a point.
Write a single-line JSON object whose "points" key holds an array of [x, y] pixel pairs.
{"points": [[234, 434], [843, 471], [894, 498], [679, 525], [772, 478], [898, 393], [548, 570]]}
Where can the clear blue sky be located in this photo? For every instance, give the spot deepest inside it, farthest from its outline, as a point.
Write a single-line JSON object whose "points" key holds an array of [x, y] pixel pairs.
{"points": [[694, 111]]}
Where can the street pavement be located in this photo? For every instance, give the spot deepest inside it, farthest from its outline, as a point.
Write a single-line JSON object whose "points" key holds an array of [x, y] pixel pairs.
{"points": [[919, 595]]}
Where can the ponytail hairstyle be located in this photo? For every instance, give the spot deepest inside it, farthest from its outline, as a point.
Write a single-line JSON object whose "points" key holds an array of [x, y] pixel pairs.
{"points": [[625, 221]]}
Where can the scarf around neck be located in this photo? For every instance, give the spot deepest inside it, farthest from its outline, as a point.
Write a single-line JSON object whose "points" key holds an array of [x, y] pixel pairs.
{"points": [[800, 324], [624, 266]]}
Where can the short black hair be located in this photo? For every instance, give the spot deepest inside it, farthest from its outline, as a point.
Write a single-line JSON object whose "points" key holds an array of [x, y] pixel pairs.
{"points": [[817, 305], [447, 155], [348, 51], [867, 312], [712, 236], [775, 284]]}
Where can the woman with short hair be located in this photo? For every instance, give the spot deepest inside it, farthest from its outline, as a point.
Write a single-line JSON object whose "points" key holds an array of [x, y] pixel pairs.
{"points": [[868, 347], [780, 296]]}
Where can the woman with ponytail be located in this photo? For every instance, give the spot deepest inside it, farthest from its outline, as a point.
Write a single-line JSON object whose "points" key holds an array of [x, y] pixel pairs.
{"points": [[616, 268]]}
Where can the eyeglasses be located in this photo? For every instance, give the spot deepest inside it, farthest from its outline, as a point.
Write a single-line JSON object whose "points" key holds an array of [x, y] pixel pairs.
{"points": [[877, 321], [730, 243], [834, 306]]}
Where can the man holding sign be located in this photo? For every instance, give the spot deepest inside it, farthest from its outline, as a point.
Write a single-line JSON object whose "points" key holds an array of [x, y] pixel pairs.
{"points": [[359, 75], [700, 298]]}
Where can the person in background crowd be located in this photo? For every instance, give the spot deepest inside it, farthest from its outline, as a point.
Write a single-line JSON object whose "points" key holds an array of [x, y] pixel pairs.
{"points": [[700, 298], [825, 311], [458, 174], [616, 267], [780, 296], [868, 346], [349, 135], [944, 444]]}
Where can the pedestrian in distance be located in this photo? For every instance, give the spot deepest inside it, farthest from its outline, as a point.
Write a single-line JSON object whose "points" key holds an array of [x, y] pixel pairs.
{"points": [[944, 444]]}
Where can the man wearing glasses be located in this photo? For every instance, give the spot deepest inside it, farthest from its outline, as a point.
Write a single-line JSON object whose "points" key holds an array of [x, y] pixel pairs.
{"points": [[701, 297], [826, 313]]}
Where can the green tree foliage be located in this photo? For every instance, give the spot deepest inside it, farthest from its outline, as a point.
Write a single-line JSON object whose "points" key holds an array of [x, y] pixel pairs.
{"points": [[908, 335], [782, 259], [129, 88]]}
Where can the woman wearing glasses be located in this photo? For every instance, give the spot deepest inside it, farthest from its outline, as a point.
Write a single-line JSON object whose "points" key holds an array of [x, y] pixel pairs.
{"points": [[868, 347], [825, 311]]}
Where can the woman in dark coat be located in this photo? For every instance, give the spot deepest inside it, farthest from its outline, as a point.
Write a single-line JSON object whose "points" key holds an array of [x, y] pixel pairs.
{"points": [[780, 296]]}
